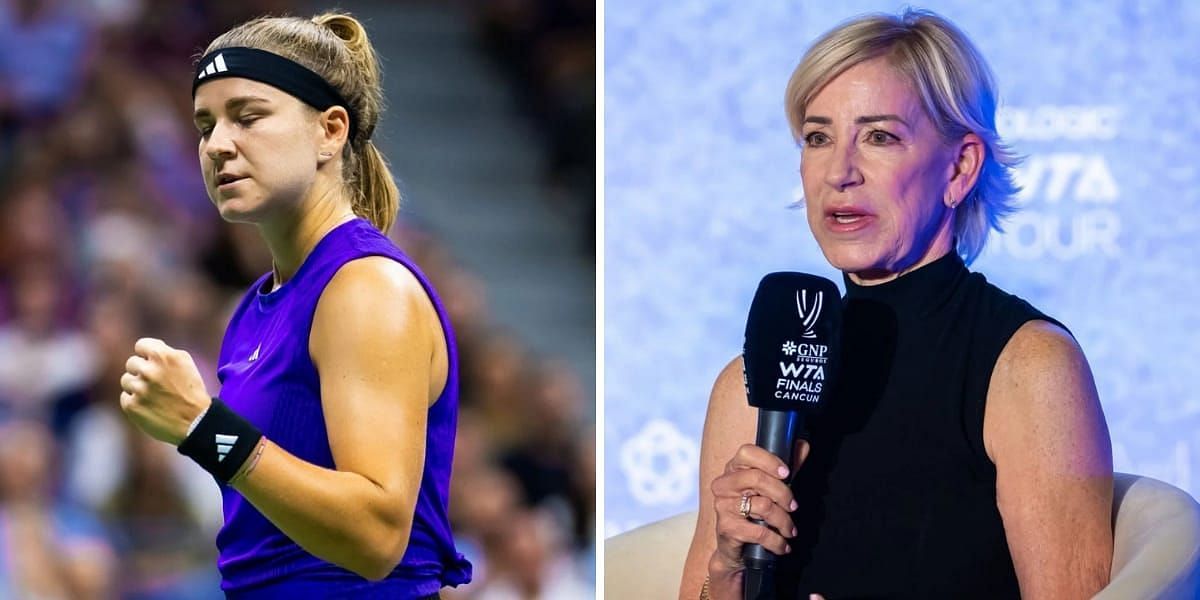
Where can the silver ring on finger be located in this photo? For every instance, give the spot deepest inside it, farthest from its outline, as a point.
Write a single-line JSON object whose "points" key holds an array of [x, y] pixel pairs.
{"points": [[744, 507]]}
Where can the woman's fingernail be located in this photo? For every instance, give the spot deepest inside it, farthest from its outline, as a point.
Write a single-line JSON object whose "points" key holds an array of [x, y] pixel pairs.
{"points": [[787, 549], [794, 505], [783, 471], [794, 532]]}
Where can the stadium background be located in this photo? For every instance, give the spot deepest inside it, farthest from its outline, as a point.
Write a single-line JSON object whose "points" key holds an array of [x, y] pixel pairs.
{"points": [[106, 235], [1101, 97]]}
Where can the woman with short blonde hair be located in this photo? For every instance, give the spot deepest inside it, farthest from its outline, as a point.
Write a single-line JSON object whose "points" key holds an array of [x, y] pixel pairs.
{"points": [[963, 452]]}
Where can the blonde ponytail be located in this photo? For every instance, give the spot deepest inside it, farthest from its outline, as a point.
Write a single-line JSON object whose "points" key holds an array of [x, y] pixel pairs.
{"points": [[378, 199], [336, 47]]}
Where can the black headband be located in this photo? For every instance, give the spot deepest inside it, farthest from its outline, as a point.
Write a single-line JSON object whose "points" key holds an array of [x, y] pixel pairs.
{"points": [[274, 70]]}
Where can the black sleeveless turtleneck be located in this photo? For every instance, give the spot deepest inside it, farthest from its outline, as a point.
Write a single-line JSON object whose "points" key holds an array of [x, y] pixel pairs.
{"points": [[898, 496]]}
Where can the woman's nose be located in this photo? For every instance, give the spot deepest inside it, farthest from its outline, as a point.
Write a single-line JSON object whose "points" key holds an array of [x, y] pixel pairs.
{"points": [[842, 171], [220, 144]]}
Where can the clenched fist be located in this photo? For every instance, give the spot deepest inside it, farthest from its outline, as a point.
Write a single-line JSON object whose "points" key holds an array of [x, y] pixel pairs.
{"points": [[162, 391]]}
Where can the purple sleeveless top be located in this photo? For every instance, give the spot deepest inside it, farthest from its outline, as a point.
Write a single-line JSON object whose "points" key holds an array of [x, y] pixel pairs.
{"points": [[268, 377]]}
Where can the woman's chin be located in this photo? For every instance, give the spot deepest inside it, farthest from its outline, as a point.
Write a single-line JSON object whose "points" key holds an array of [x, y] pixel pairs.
{"points": [[851, 258], [236, 210]]}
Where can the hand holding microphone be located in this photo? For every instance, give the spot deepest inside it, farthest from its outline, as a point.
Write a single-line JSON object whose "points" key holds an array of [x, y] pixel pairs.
{"points": [[753, 504], [753, 486], [793, 335]]}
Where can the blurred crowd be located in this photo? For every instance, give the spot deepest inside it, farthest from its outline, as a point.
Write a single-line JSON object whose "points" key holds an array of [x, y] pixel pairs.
{"points": [[107, 235], [547, 48]]}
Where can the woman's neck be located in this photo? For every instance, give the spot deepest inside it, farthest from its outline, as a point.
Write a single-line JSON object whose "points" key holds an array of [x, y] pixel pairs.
{"points": [[292, 237], [942, 244]]}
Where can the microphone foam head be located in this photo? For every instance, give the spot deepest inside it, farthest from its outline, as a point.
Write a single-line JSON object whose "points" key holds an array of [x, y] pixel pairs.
{"points": [[793, 337]]}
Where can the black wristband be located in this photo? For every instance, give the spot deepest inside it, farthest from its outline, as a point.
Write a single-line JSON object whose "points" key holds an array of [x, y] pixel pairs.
{"points": [[221, 442]]}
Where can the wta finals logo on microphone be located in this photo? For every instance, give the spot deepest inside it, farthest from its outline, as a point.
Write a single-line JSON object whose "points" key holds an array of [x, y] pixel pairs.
{"points": [[802, 366], [791, 351]]}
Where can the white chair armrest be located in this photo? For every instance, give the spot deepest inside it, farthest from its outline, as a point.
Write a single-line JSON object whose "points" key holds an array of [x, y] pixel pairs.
{"points": [[647, 562], [1156, 541]]}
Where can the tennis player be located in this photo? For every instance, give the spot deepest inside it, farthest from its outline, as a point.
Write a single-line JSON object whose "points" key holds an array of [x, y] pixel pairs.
{"points": [[333, 429]]}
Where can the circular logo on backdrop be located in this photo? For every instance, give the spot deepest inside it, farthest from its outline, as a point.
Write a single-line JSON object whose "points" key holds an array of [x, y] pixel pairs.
{"points": [[660, 464]]}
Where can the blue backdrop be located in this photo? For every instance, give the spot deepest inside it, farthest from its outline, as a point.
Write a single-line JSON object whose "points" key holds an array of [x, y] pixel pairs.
{"points": [[1102, 97]]}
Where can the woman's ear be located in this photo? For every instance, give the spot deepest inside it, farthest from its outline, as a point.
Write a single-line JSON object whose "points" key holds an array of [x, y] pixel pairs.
{"points": [[969, 153], [335, 129]]}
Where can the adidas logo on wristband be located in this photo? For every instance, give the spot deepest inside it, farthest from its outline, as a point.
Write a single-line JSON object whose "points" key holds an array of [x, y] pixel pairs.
{"points": [[224, 445], [234, 437]]}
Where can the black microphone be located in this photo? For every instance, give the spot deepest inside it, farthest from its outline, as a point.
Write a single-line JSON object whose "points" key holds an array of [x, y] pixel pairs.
{"points": [[790, 356]]}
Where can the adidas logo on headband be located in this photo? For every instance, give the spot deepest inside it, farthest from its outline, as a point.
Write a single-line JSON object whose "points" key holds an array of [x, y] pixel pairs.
{"points": [[217, 65]]}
